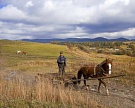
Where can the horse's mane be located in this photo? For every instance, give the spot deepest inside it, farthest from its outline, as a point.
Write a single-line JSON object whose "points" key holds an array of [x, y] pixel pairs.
{"points": [[105, 61], [100, 64], [94, 65]]}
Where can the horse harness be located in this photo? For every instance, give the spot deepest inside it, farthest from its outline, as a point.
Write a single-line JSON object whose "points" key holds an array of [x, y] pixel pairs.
{"points": [[102, 71]]}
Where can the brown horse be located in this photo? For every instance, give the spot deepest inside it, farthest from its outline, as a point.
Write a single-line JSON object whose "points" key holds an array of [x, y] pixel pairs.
{"points": [[100, 70], [20, 52], [24, 53]]}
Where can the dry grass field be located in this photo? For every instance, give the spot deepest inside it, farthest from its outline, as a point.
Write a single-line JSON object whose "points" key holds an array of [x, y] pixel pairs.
{"points": [[18, 88]]}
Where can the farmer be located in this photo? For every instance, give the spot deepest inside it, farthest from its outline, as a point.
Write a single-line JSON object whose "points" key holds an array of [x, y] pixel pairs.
{"points": [[61, 64]]}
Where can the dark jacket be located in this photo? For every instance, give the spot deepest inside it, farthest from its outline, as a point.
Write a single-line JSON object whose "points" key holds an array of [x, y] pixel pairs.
{"points": [[61, 61]]}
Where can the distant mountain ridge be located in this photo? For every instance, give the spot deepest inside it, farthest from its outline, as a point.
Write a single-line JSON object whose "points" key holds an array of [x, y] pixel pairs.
{"points": [[98, 39]]}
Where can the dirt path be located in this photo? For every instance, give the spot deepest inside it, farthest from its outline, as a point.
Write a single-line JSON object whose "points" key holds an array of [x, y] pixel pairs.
{"points": [[120, 96]]}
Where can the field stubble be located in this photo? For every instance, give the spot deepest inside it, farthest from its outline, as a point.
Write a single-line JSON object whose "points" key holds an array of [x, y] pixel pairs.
{"points": [[19, 89]]}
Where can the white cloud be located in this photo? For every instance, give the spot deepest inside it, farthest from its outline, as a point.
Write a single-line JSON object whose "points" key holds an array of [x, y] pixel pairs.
{"points": [[29, 4], [11, 13], [125, 33], [63, 18]]}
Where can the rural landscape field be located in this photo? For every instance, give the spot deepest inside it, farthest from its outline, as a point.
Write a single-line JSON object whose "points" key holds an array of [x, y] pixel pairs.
{"points": [[19, 87]]}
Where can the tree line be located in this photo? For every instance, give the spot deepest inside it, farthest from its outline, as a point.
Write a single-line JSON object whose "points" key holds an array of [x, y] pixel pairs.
{"points": [[117, 48]]}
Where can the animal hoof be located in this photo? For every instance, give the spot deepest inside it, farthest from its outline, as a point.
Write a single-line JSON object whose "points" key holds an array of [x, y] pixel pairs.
{"points": [[99, 91], [87, 88], [107, 94]]}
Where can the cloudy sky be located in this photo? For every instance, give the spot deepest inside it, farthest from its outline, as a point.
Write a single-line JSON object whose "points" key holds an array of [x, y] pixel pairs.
{"points": [[32, 19]]}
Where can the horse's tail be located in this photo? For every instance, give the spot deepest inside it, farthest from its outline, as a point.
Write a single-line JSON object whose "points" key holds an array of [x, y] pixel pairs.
{"points": [[79, 76]]}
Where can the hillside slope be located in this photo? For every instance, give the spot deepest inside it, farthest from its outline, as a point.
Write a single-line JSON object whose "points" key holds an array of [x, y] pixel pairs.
{"points": [[42, 58]]}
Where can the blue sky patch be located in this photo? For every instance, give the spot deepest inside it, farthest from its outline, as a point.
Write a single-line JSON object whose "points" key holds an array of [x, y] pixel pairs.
{"points": [[2, 5]]}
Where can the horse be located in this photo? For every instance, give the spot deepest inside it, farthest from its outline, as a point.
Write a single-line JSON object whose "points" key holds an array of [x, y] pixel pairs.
{"points": [[18, 52], [100, 70], [21, 52], [24, 53]]}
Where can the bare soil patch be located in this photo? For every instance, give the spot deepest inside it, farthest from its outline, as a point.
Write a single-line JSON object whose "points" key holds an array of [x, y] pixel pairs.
{"points": [[121, 96]]}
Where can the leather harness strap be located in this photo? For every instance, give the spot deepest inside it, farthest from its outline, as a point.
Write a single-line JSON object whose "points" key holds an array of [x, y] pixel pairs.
{"points": [[101, 70], [95, 70]]}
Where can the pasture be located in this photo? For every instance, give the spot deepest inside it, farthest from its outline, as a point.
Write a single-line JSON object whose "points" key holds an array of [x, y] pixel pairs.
{"points": [[18, 87]]}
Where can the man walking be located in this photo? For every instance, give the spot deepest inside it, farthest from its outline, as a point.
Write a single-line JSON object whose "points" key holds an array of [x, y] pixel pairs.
{"points": [[61, 64]]}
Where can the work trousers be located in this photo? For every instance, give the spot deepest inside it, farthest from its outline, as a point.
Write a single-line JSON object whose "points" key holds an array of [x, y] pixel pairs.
{"points": [[61, 71]]}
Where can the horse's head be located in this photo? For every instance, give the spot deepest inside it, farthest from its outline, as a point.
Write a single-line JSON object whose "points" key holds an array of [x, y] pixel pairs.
{"points": [[107, 66]]}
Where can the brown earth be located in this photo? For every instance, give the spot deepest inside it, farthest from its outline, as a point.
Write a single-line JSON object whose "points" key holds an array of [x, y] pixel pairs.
{"points": [[121, 96]]}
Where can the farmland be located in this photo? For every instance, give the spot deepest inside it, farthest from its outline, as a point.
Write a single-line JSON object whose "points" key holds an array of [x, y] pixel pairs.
{"points": [[19, 90]]}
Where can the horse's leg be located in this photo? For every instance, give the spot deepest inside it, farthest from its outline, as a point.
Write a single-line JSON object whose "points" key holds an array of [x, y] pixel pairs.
{"points": [[99, 85], [84, 81], [107, 92], [85, 78]]}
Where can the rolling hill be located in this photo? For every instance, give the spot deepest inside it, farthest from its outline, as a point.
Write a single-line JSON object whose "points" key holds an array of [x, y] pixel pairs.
{"points": [[98, 39]]}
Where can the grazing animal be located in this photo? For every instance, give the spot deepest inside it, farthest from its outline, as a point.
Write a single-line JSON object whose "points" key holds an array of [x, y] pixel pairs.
{"points": [[18, 52], [24, 53], [100, 70], [21, 52]]}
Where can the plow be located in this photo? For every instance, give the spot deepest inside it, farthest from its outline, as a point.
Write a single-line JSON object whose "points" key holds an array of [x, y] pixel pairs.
{"points": [[74, 80]]}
